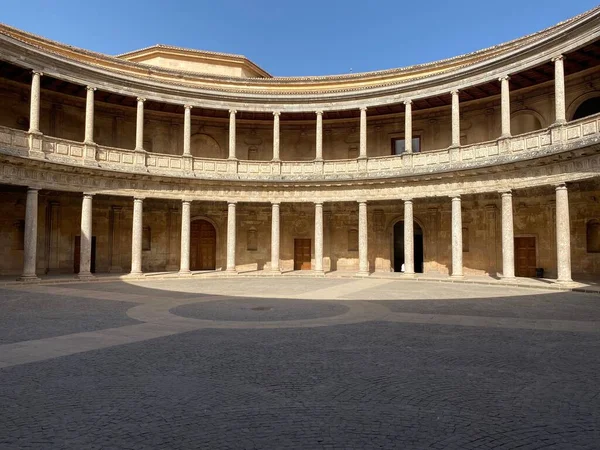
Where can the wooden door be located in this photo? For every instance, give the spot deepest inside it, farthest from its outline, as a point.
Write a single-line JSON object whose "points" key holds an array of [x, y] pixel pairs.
{"points": [[77, 255], [302, 254], [203, 246], [525, 256]]}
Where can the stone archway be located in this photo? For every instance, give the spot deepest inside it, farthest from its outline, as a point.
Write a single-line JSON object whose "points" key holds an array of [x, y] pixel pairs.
{"points": [[398, 246]]}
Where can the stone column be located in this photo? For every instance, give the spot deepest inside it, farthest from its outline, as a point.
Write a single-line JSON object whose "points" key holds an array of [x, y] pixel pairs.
{"points": [[408, 126], [232, 113], [363, 133], [34, 108], [457, 265], [30, 244], [363, 237], [508, 238], [184, 265], [231, 236], [276, 115], [563, 234], [275, 237], [559, 89], [187, 130], [136, 237], [505, 106], [455, 119], [409, 244], [89, 115], [318, 237], [85, 253], [319, 142], [139, 125]]}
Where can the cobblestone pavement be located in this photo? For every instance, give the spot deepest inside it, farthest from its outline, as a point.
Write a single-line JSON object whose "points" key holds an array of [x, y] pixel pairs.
{"points": [[316, 364]]}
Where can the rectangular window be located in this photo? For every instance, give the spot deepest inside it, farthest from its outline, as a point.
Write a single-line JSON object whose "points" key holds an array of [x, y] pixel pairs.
{"points": [[399, 145]]}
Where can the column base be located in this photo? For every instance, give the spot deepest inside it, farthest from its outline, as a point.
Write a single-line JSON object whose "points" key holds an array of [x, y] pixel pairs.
{"points": [[457, 276], [85, 276], [28, 278], [507, 277], [319, 273], [275, 272], [184, 273], [564, 281], [408, 274], [135, 275], [231, 271], [363, 273]]}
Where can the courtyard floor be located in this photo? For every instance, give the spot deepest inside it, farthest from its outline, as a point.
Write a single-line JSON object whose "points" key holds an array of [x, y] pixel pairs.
{"points": [[297, 362]]}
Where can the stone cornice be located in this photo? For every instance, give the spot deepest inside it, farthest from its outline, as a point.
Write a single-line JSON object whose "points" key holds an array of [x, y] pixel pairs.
{"points": [[297, 94]]}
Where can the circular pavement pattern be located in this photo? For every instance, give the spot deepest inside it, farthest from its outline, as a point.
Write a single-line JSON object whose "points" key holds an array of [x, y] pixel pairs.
{"points": [[259, 309]]}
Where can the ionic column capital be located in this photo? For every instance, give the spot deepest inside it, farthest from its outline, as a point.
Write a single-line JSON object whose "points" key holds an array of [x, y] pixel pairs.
{"points": [[276, 113], [37, 72], [189, 107], [233, 112], [319, 112], [408, 102], [141, 99], [558, 58], [504, 78], [90, 88]]}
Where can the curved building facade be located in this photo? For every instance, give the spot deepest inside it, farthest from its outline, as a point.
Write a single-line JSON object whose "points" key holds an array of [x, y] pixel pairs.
{"points": [[175, 160]]}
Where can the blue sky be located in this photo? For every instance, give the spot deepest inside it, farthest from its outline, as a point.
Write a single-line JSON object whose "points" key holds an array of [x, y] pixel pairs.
{"points": [[288, 37]]}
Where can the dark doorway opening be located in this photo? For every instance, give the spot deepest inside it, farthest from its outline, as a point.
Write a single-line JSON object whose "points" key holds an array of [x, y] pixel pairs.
{"points": [[203, 246], [302, 248], [587, 108], [77, 255], [399, 247]]}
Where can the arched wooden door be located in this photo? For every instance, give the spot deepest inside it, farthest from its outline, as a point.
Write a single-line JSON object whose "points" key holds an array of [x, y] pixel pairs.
{"points": [[203, 246]]}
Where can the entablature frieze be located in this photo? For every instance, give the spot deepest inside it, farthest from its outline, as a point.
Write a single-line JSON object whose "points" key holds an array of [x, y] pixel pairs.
{"points": [[268, 95]]}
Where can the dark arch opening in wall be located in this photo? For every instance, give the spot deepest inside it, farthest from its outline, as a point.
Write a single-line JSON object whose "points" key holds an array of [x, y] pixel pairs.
{"points": [[399, 246], [587, 108]]}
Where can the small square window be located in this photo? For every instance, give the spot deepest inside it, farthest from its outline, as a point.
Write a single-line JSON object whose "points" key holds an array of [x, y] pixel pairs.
{"points": [[399, 145]]}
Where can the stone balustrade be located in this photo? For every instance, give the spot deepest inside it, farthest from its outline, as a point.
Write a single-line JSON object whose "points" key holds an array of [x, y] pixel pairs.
{"points": [[556, 139]]}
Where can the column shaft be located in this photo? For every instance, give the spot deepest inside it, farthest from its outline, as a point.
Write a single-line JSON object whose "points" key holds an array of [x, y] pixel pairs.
{"points": [[187, 130], [508, 239], [139, 125], [136, 237], [455, 119], [232, 154], [89, 115], [457, 263], [563, 234], [505, 106], [363, 240], [184, 265], [85, 253], [34, 108], [30, 244], [276, 115], [409, 244], [408, 126], [319, 142], [318, 237], [559, 89], [275, 237], [363, 133], [231, 221]]}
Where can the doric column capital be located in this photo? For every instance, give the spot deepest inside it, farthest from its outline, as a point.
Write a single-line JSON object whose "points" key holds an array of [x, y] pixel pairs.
{"points": [[319, 112], [187, 107], [319, 203], [558, 58], [90, 88], [506, 193], [141, 99], [32, 189], [560, 187], [408, 102], [504, 78], [456, 198], [362, 202], [186, 201], [276, 204], [138, 199], [88, 194], [276, 113], [232, 112], [407, 200], [231, 202]]}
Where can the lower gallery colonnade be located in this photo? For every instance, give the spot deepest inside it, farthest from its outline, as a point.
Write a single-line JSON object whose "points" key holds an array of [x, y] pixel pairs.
{"points": [[562, 236]]}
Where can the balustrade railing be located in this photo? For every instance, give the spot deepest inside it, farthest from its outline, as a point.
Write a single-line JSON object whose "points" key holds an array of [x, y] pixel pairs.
{"points": [[553, 139]]}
